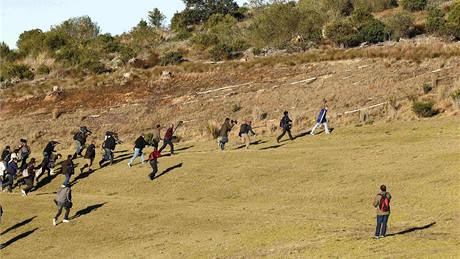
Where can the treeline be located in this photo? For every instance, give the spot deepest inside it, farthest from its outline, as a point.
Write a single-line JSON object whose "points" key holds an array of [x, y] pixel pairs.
{"points": [[222, 30]]}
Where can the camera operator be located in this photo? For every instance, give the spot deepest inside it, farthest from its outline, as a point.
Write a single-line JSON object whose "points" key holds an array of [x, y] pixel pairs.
{"points": [[223, 132], [286, 125]]}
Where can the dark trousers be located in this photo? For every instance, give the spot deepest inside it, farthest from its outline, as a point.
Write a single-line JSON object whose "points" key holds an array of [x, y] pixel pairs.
{"points": [[285, 130], [167, 142], [108, 156], [59, 211], [29, 184], [381, 229], [8, 182], [154, 165], [24, 162]]}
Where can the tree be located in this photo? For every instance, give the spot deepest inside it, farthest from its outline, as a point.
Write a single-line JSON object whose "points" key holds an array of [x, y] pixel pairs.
{"points": [[30, 42], [399, 25], [413, 5], [6, 54], [156, 18], [80, 29], [435, 22], [453, 21]]}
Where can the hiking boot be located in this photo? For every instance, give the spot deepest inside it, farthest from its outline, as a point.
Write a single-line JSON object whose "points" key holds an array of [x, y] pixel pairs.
{"points": [[65, 221], [54, 222]]}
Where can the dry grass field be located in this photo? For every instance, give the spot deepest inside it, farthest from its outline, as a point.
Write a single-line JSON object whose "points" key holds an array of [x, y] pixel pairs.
{"points": [[304, 199]]}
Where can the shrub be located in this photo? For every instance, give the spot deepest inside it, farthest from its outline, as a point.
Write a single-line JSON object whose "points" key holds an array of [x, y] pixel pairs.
{"points": [[453, 21], [423, 108], [213, 129], [375, 5], [413, 5], [399, 25], [156, 18], [343, 33], [236, 107], [6, 54], [171, 58], [43, 70], [21, 71], [330, 8], [278, 24], [93, 66], [427, 88], [221, 51], [435, 22], [81, 29], [456, 97], [54, 40], [30, 42], [69, 54], [370, 29]]}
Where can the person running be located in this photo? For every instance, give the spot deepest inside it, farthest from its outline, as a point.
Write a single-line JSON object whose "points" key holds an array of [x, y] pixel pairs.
{"points": [[29, 177], [245, 131], [90, 154], [24, 153], [167, 140], [49, 167], [223, 132], [153, 161], [6, 154], [109, 146], [321, 120], [11, 172], [156, 135], [286, 125], [68, 169], [63, 200], [47, 152], [80, 140], [139, 145], [382, 203]]}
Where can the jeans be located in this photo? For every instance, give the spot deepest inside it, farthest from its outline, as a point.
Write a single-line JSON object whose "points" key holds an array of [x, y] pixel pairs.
{"points": [[285, 130], [381, 228], [222, 142], [137, 152], [67, 179], [154, 165], [79, 148], [8, 182], [167, 142], [108, 156]]}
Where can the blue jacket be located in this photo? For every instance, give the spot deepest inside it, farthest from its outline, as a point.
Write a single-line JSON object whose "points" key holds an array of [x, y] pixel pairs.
{"points": [[12, 168], [322, 116]]}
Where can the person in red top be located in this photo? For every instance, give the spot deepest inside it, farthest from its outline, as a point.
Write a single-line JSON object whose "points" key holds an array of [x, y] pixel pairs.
{"points": [[153, 161], [167, 140]]}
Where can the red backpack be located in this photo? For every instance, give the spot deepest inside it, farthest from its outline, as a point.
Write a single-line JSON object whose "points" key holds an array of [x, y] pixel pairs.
{"points": [[384, 204]]}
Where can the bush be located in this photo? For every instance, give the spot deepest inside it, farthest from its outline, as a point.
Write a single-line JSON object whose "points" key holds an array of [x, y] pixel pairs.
{"points": [[20, 71], [221, 51], [456, 97], [43, 70], [343, 33], [69, 54], [375, 5], [423, 109], [6, 54], [30, 42], [81, 29], [427, 88], [413, 5], [171, 58], [55, 40], [453, 21], [399, 25], [435, 22], [278, 24], [370, 29], [213, 129], [93, 66]]}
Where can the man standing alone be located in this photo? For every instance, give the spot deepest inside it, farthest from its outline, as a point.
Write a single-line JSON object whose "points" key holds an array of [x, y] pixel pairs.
{"points": [[286, 125], [382, 203]]}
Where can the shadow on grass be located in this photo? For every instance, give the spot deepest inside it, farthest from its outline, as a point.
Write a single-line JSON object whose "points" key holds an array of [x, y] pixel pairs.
{"points": [[18, 225], [87, 210], [169, 169], [254, 143], [17, 238], [45, 181], [183, 148], [409, 230], [272, 147], [82, 176], [302, 134]]}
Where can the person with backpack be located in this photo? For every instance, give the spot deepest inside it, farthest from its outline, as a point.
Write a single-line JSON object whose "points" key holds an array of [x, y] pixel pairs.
{"points": [[90, 155], [167, 139], [286, 125], [223, 132], [49, 167], [63, 200], [68, 169], [321, 119], [153, 157], [382, 203], [245, 131], [80, 140], [10, 174], [109, 145], [139, 145], [28, 177], [24, 153]]}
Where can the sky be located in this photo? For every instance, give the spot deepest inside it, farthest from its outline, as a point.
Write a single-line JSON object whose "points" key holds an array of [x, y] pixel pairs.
{"points": [[112, 16]]}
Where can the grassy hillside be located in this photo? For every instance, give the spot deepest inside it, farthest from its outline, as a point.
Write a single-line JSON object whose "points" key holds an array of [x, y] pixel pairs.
{"points": [[307, 198]]}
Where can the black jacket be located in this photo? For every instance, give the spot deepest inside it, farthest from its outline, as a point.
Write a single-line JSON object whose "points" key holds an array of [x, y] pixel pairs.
{"points": [[110, 142], [80, 137], [285, 122], [245, 129], [90, 152], [140, 143], [49, 148], [6, 155]]}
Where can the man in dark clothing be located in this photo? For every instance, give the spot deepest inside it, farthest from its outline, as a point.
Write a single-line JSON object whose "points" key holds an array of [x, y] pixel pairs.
{"points": [[68, 169], [245, 130], [11, 172], [49, 149], [48, 167], [80, 140], [109, 145], [63, 200], [6, 153], [139, 145], [286, 125], [167, 140], [29, 178], [382, 203], [24, 152], [90, 154], [223, 132]]}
